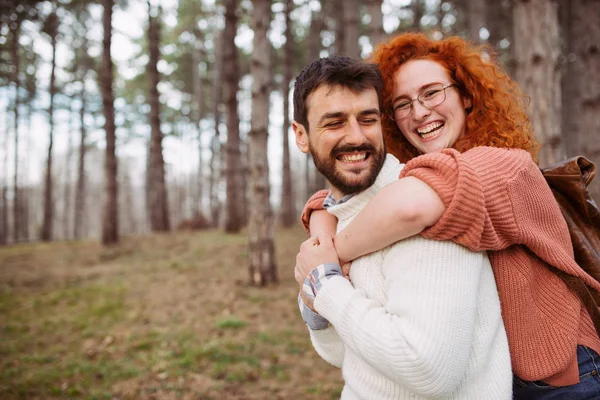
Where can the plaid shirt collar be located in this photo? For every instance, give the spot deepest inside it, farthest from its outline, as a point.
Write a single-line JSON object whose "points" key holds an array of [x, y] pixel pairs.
{"points": [[330, 201]]}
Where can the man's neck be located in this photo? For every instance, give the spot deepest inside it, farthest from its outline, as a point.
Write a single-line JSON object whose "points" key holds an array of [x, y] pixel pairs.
{"points": [[337, 194]]}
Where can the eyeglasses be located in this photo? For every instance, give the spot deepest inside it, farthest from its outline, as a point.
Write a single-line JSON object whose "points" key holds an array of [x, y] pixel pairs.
{"points": [[429, 98]]}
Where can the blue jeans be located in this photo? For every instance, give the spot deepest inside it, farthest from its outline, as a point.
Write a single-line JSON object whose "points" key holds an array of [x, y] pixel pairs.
{"points": [[587, 388]]}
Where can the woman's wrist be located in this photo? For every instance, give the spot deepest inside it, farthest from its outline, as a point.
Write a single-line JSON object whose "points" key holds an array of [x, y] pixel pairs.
{"points": [[343, 255]]}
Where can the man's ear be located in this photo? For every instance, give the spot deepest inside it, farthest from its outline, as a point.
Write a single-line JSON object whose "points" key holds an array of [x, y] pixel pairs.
{"points": [[301, 136]]}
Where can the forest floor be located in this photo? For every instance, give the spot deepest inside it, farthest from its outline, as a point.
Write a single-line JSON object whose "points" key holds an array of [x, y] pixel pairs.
{"points": [[156, 317]]}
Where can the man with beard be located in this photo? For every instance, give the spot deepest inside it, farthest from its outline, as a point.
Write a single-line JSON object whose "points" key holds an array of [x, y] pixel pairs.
{"points": [[420, 318]]}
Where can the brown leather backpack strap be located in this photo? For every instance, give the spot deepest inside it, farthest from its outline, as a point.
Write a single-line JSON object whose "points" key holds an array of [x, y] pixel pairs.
{"points": [[583, 292], [587, 168]]}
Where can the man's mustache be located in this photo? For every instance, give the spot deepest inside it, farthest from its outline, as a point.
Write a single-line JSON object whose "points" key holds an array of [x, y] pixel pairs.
{"points": [[349, 149]]}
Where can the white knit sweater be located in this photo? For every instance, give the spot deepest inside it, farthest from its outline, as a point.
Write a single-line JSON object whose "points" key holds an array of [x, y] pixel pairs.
{"points": [[421, 319]]}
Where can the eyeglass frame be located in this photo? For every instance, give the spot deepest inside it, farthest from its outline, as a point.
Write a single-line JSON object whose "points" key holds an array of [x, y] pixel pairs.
{"points": [[393, 114]]}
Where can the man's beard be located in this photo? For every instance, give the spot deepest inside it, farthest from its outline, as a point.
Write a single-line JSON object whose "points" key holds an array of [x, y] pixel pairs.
{"points": [[343, 181]]}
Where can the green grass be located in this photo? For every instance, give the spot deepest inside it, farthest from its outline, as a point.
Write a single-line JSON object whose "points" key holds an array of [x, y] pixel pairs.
{"points": [[155, 317]]}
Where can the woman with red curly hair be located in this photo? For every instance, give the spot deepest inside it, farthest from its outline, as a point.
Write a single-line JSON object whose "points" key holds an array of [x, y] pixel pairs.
{"points": [[460, 124]]}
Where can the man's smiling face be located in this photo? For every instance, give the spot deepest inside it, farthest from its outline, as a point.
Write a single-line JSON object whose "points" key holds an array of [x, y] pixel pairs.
{"points": [[344, 137]]}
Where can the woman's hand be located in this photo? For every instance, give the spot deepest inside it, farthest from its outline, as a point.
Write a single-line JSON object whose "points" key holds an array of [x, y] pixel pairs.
{"points": [[346, 270]]}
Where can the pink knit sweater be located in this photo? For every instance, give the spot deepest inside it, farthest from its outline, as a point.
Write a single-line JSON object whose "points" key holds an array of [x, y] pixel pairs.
{"points": [[497, 200]]}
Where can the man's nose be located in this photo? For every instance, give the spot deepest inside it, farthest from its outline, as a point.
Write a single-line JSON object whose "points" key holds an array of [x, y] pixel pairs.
{"points": [[355, 134]]}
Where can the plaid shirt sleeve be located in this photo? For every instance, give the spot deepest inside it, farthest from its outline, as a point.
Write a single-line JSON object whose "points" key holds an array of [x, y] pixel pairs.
{"points": [[312, 284]]}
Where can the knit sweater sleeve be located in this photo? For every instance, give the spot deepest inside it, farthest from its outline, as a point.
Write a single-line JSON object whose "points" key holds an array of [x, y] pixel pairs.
{"points": [[496, 198], [328, 345], [421, 338], [313, 204], [475, 187]]}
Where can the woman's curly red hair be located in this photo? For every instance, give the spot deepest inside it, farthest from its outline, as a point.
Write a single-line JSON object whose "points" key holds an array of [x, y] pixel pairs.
{"points": [[498, 116]]}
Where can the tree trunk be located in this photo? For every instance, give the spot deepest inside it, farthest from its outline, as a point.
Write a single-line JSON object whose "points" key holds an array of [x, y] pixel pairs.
{"points": [[351, 12], [199, 101], [418, 10], [110, 231], [16, 33], [215, 144], [83, 67], [81, 179], [536, 55], [337, 11], [25, 198], [262, 267], [4, 190], [233, 161], [314, 49], [67, 206], [581, 82], [375, 29], [47, 228], [477, 19], [157, 192], [288, 214], [499, 21], [80, 188]]}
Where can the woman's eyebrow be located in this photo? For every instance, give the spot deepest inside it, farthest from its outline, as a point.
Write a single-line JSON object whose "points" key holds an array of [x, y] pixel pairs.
{"points": [[423, 87]]}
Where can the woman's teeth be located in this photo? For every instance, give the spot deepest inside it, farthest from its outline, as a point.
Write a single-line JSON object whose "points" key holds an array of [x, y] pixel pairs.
{"points": [[430, 130]]}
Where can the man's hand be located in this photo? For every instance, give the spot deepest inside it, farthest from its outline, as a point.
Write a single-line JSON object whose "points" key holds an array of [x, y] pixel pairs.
{"points": [[314, 252]]}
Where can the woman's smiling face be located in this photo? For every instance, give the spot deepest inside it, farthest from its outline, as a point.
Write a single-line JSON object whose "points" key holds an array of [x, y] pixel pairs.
{"points": [[429, 129]]}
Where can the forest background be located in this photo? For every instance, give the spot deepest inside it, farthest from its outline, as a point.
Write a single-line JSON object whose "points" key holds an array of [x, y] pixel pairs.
{"points": [[147, 144]]}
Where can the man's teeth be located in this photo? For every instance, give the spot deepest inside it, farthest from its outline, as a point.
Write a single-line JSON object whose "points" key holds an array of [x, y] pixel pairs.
{"points": [[429, 130], [353, 157]]}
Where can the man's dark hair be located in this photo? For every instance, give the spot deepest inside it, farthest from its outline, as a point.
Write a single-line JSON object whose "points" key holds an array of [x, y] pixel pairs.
{"points": [[333, 71]]}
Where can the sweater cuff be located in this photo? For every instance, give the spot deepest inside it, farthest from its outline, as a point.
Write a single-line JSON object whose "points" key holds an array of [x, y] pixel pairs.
{"points": [[312, 319], [313, 204]]}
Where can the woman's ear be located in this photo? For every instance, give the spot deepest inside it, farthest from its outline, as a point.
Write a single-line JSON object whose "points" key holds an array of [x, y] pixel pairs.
{"points": [[468, 103], [301, 136]]}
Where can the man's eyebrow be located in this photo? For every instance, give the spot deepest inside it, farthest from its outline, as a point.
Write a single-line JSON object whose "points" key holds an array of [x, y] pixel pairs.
{"points": [[420, 90], [331, 115], [369, 112]]}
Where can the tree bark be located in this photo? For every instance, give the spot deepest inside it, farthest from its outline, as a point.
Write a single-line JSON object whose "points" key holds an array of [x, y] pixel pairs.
{"points": [[199, 102], [418, 10], [110, 228], [499, 21], [377, 34], [315, 46], [81, 178], [233, 162], [351, 12], [4, 191], [581, 82], [47, 225], [157, 192], [477, 19], [67, 206], [16, 33], [262, 267], [536, 54], [336, 10], [80, 188], [288, 214], [215, 143]]}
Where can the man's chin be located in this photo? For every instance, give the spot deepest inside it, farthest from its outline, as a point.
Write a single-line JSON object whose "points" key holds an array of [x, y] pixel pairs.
{"points": [[349, 183]]}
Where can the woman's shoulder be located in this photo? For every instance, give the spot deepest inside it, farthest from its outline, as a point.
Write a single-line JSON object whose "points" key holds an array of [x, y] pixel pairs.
{"points": [[500, 159], [515, 154]]}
